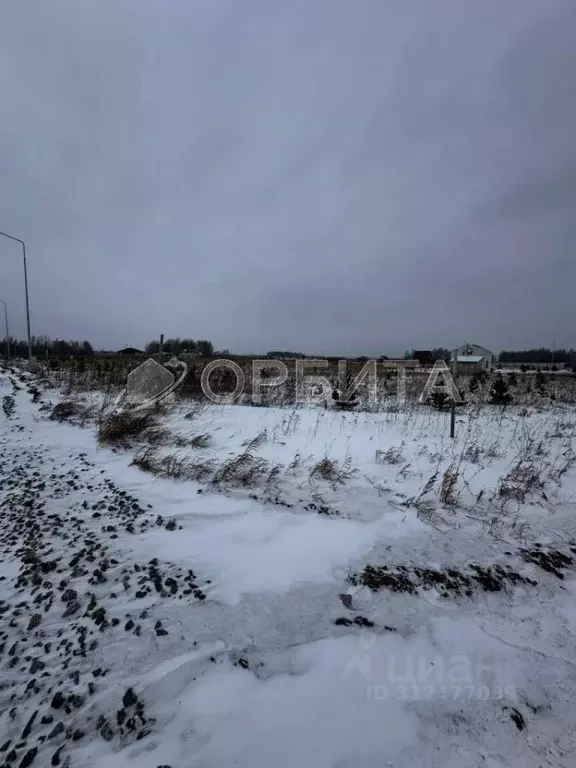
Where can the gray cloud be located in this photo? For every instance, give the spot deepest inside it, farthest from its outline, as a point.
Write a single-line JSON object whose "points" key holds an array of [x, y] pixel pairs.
{"points": [[324, 176]]}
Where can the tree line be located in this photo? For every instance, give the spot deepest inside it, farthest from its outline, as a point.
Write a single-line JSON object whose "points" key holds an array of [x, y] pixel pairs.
{"points": [[203, 347], [540, 355], [535, 356], [44, 346]]}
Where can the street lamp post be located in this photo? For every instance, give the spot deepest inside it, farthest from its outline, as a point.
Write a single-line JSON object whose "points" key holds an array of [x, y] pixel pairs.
{"points": [[23, 244], [7, 330]]}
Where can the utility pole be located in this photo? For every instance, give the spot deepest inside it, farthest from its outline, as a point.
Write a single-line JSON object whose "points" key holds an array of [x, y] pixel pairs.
{"points": [[31, 362], [7, 330], [161, 350]]}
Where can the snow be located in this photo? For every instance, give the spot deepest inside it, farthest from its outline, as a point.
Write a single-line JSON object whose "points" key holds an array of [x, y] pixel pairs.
{"points": [[278, 722], [257, 672], [264, 550]]}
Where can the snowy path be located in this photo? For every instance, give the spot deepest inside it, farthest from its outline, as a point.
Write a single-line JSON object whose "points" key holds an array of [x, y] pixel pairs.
{"points": [[152, 623]]}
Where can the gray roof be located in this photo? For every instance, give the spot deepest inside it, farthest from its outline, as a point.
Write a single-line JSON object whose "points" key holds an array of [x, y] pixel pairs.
{"points": [[469, 359], [478, 346]]}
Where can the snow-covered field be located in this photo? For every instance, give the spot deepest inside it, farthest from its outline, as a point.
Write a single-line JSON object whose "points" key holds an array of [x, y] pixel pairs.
{"points": [[288, 587]]}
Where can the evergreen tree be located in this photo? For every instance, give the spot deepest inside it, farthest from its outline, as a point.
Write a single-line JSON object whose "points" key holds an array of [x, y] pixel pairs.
{"points": [[540, 383], [440, 400], [475, 382], [499, 394]]}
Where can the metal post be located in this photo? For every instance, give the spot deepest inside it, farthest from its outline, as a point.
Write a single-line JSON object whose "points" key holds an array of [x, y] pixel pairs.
{"points": [[27, 304], [23, 244], [453, 408], [7, 329]]}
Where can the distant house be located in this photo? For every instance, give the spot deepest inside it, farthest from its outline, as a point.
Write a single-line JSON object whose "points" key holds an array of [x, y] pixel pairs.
{"points": [[472, 358], [425, 357], [130, 351]]}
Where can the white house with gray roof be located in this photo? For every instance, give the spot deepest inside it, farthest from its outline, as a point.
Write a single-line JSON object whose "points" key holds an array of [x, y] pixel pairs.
{"points": [[472, 358]]}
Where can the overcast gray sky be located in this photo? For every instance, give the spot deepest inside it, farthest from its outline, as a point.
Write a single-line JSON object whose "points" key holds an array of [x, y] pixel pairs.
{"points": [[320, 175]]}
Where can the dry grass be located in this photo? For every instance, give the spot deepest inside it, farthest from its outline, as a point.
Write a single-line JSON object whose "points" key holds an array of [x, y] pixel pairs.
{"points": [[334, 472], [184, 468], [201, 441], [391, 456], [257, 442], [197, 409], [247, 469], [156, 435], [173, 465], [295, 464], [472, 453], [522, 481], [448, 496], [274, 475], [146, 460], [244, 470]]}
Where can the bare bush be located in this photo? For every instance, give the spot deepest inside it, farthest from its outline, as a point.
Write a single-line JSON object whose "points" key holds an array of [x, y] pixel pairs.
{"points": [[65, 410], [121, 428], [73, 411], [326, 469]]}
